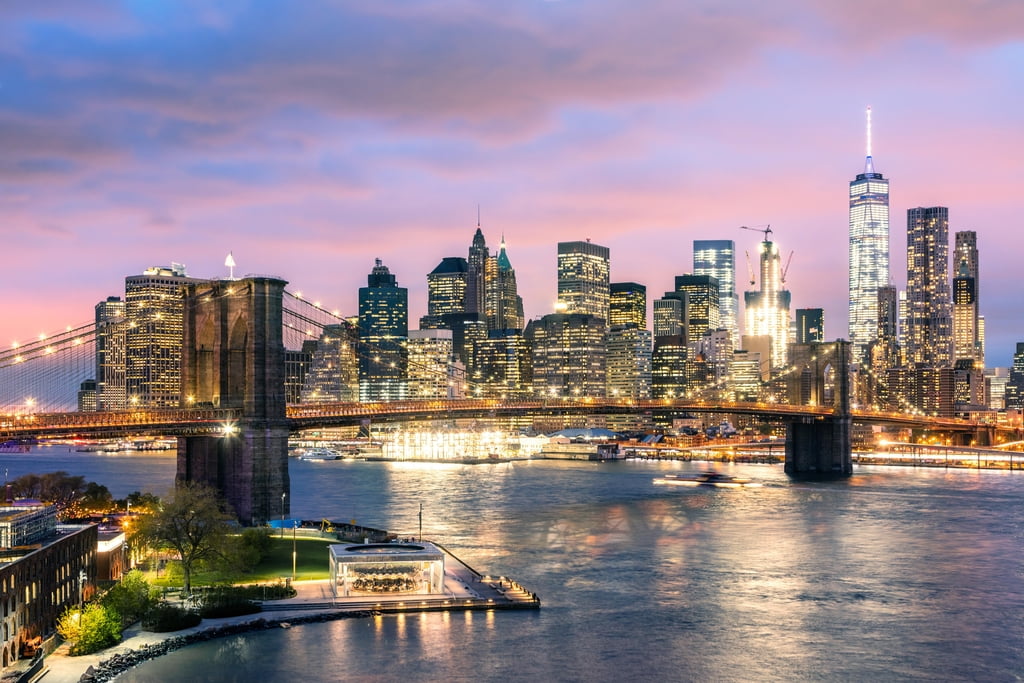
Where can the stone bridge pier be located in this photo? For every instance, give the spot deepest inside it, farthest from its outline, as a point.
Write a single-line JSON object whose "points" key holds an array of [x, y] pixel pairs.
{"points": [[233, 357], [820, 448]]}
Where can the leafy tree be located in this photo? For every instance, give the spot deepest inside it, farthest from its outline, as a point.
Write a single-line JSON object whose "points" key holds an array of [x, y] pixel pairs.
{"points": [[141, 501], [131, 597], [93, 629], [69, 493], [192, 522], [246, 550], [96, 498]]}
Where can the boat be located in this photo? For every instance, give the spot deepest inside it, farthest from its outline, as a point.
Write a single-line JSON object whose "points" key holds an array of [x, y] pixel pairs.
{"points": [[709, 478], [320, 454]]}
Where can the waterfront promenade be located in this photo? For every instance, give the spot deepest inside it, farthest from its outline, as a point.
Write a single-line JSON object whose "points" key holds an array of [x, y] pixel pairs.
{"points": [[464, 589]]}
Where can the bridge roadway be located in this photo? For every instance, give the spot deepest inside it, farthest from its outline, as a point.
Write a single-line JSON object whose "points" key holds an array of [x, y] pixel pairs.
{"points": [[172, 422]]}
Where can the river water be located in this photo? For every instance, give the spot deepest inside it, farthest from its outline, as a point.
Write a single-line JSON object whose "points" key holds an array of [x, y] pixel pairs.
{"points": [[895, 574]]}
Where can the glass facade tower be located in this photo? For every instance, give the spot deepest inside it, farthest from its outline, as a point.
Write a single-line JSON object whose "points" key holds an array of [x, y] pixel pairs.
{"points": [[869, 251], [717, 258], [929, 327], [583, 278]]}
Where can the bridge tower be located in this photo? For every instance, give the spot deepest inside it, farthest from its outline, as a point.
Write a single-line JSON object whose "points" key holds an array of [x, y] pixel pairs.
{"points": [[819, 448], [233, 357]]}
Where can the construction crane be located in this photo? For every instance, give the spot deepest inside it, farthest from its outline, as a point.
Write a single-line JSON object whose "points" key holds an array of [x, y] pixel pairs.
{"points": [[767, 230], [750, 268], [786, 269]]}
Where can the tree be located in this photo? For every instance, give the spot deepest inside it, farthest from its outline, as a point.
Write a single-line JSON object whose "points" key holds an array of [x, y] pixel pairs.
{"points": [[191, 521], [96, 498], [92, 629], [130, 597]]}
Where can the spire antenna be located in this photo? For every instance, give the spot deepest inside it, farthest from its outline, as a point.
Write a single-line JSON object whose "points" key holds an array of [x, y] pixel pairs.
{"points": [[478, 215], [869, 130]]}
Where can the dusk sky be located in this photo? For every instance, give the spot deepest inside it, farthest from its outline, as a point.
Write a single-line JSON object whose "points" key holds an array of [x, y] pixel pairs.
{"points": [[309, 138]]}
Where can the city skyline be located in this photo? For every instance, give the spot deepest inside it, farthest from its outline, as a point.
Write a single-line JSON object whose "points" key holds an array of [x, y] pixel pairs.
{"points": [[159, 134]]}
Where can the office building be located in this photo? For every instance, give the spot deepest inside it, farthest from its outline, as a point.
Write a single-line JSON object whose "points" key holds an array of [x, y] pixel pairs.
{"points": [[670, 315], [627, 305], [503, 366], [154, 310], [434, 372], [810, 325], [333, 371], [583, 279], [503, 307], [702, 308], [111, 387], [568, 355], [717, 259], [383, 330], [669, 367], [869, 250], [447, 290], [628, 364], [1014, 391], [929, 322], [476, 277]]}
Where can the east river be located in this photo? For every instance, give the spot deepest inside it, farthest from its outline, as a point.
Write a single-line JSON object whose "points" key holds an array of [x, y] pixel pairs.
{"points": [[895, 574]]}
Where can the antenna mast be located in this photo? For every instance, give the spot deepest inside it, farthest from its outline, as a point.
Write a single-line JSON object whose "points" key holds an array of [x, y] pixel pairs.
{"points": [[869, 164]]}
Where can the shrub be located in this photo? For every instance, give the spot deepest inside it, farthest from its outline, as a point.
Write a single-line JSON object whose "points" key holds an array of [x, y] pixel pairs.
{"points": [[91, 630], [225, 602], [131, 597], [164, 617]]}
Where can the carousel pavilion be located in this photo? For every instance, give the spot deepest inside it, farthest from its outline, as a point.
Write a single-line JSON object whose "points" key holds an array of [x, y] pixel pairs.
{"points": [[376, 569]]}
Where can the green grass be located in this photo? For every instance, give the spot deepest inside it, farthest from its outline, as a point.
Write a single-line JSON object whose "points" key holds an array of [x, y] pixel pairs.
{"points": [[311, 563]]}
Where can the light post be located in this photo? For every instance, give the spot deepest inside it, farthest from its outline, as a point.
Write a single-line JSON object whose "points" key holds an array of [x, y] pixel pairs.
{"points": [[81, 590], [283, 496], [294, 524]]}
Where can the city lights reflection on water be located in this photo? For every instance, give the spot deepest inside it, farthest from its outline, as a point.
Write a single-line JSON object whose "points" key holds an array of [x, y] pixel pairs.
{"points": [[897, 573]]}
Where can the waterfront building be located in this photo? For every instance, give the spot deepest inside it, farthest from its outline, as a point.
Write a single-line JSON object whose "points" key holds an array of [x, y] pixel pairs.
{"points": [[433, 368], [333, 373], [628, 372], [767, 310], [968, 387], [745, 375], [568, 355], [503, 307], [111, 387], [447, 288], [810, 325], [670, 315], [503, 366], [995, 387], [702, 305], [929, 322], [154, 310], [717, 259], [47, 569], [383, 330], [627, 305], [869, 249], [968, 338], [379, 569], [583, 278]]}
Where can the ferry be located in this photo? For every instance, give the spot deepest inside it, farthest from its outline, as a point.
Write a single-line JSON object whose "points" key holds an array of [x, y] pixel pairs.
{"points": [[319, 454], [709, 478]]}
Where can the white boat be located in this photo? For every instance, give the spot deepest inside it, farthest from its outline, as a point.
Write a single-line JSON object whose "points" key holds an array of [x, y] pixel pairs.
{"points": [[716, 479], [320, 454]]}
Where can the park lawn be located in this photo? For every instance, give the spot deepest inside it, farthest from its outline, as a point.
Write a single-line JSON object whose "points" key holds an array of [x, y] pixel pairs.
{"points": [[311, 563]]}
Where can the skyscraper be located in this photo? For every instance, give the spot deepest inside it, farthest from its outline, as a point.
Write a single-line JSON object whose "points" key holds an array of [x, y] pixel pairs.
{"points": [[111, 392], [767, 310], [154, 310], [503, 307], [447, 289], [717, 258], [628, 372], [967, 333], [583, 278], [568, 355], [383, 330], [476, 286], [627, 305], [702, 309], [929, 327], [869, 250]]}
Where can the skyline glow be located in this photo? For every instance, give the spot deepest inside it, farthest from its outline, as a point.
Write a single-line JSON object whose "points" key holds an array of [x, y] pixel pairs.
{"points": [[311, 138]]}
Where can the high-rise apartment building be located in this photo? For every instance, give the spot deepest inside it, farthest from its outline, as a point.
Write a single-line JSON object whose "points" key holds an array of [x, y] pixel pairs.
{"points": [[717, 259], [767, 310], [967, 334], [111, 387], [869, 250], [670, 315], [502, 368], [627, 305], [333, 372], [583, 278], [154, 310], [383, 330], [433, 370], [929, 322], [810, 325]]}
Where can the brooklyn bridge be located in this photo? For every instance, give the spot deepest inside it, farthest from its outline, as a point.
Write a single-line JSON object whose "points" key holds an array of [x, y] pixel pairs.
{"points": [[233, 422]]}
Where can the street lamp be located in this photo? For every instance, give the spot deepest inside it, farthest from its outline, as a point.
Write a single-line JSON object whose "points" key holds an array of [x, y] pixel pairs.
{"points": [[283, 496], [294, 524], [81, 589]]}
